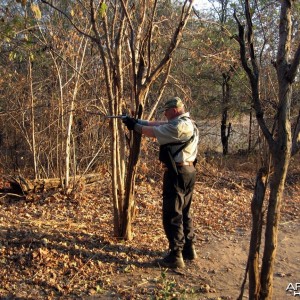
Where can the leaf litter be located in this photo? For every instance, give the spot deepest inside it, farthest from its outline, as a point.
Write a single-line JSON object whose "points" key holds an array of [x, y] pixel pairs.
{"points": [[58, 247]]}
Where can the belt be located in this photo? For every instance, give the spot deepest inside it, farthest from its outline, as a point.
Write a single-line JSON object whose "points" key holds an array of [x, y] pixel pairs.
{"points": [[186, 163]]}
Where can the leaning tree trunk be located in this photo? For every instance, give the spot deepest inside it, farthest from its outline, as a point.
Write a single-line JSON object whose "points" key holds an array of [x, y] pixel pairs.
{"points": [[273, 216], [281, 155], [256, 233]]}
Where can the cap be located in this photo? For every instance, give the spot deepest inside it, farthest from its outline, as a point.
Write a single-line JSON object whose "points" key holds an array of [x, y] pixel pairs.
{"points": [[175, 102]]}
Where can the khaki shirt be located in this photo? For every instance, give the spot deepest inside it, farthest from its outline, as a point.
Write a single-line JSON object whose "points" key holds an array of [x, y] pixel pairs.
{"points": [[179, 129]]}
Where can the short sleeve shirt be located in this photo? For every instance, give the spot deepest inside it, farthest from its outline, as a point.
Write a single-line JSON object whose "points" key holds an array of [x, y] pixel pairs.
{"points": [[179, 129]]}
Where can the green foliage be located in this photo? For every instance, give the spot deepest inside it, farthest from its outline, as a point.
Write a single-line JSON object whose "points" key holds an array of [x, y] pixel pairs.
{"points": [[208, 52], [103, 9], [169, 289]]}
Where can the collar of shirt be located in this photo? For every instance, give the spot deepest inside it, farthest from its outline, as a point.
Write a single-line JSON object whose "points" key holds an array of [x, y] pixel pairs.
{"points": [[187, 114]]}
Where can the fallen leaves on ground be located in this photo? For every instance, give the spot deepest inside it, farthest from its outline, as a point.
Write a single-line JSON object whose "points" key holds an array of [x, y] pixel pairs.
{"points": [[54, 246]]}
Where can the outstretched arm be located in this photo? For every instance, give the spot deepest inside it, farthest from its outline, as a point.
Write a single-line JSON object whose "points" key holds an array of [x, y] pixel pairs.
{"points": [[151, 123], [146, 130], [142, 126], [146, 127]]}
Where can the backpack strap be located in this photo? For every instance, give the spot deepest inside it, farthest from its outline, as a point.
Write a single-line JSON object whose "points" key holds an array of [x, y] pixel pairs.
{"points": [[184, 144]]}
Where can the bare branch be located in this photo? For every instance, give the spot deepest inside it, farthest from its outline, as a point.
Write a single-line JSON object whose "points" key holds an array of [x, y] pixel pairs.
{"points": [[174, 42], [151, 28], [250, 39], [104, 58], [263, 32], [68, 18], [132, 38], [241, 40], [161, 91], [253, 73]]}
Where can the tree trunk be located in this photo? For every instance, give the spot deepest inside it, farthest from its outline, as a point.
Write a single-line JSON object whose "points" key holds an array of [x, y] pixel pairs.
{"points": [[280, 146], [129, 207], [256, 233], [281, 149], [250, 132], [117, 197], [225, 101], [33, 142], [78, 66], [281, 155], [273, 217]]}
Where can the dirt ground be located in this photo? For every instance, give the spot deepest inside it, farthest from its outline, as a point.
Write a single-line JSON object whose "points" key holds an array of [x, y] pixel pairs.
{"points": [[58, 247], [223, 260]]}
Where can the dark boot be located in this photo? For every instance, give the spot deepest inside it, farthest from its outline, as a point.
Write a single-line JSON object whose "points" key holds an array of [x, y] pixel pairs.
{"points": [[172, 260], [189, 252]]}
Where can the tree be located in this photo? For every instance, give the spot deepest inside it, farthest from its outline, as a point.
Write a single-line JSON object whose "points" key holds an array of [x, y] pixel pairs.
{"points": [[281, 143], [46, 73], [127, 36], [220, 52]]}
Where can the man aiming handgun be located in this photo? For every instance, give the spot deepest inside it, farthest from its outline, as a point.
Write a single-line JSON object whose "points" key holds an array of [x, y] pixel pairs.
{"points": [[178, 140]]}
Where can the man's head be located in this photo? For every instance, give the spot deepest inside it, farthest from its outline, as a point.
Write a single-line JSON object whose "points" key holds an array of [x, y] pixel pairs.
{"points": [[172, 108]]}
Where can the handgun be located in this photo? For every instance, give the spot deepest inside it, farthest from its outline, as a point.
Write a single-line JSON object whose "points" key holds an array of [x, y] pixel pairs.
{"points": [[117, 117]]}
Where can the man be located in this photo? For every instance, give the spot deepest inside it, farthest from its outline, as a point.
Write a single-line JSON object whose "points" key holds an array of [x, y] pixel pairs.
{"points": [[180, 134]]}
